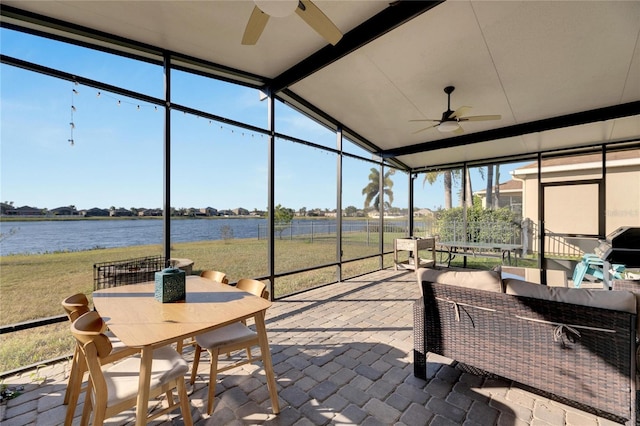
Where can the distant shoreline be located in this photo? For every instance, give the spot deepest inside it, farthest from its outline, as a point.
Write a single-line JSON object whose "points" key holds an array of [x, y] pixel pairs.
{"points": [[72, 218], [39, 235], [69, 218]]}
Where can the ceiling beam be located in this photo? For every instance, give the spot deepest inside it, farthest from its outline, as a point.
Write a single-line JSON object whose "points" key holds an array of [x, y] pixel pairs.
{"points": [[67, 32], [390, 18], [576, 119]]}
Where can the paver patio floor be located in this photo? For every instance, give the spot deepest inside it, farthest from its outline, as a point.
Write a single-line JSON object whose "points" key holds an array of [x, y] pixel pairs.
{"points": [[342, 355]]}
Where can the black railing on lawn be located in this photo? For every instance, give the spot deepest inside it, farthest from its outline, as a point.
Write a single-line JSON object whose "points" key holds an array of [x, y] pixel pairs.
{"points": [[124, 272]]}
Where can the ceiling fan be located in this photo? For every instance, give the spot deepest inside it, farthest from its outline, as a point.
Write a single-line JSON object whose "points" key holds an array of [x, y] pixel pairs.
{"points": [[450, 121], [305, 9]]}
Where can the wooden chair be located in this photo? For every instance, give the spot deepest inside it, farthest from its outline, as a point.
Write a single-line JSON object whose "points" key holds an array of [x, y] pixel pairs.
{"points": [[227, 339], [218, 276], [114, 388], [212, 275], [75, 306]]}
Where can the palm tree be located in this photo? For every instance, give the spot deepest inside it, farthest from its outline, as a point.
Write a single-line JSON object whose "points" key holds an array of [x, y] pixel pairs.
{"points": [[372, 190], [493, 188], [449, 176], [468, 198], [431, 177], [496, 192], [489, 189]]}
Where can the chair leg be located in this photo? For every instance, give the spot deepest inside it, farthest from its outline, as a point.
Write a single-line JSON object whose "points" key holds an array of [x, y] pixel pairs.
{"points": [[213, 376], [185, 407], [88, 402], [196, 362], [99, 409], [98, 417], [74, 386], [578, 274], [72, 374], [244, 321]]}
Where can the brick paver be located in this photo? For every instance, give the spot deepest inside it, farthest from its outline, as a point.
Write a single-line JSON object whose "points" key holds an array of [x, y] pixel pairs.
{"points": [[342, 355]]}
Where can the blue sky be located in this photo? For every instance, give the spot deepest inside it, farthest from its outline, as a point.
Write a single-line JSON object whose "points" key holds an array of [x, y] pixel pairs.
{"points": [[116, 158]]}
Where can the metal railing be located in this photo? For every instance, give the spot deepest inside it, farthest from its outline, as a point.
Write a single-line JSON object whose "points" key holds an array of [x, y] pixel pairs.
{"points": [[326, 229], [129, 271], [554, 245]]}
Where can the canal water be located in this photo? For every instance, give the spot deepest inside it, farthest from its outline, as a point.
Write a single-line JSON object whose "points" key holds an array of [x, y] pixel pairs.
{"points": [[32, 237]]}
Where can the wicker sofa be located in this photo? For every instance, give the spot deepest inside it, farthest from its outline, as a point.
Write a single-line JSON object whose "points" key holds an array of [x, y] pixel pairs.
{"points": [[576, 345]]}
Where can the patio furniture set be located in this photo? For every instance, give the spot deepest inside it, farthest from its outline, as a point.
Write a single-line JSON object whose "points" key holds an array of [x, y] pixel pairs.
{"points": [[127, 343], [575, 345], [450, 250]]}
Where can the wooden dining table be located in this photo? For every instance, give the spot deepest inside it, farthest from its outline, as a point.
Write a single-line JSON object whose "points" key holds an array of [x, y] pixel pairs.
{"points": [[134, 315]]}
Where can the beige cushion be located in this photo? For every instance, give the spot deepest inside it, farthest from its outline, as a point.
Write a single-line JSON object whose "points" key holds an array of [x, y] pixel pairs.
{"points": [[122, 377], [623, 301], [228, 335], [481, 280]]}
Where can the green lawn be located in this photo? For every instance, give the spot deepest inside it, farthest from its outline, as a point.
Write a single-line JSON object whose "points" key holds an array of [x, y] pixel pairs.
{"points": [[32, 286]]}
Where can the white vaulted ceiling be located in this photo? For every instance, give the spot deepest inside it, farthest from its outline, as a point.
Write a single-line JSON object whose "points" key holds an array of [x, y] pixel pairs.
{"points": [[560, 73]]}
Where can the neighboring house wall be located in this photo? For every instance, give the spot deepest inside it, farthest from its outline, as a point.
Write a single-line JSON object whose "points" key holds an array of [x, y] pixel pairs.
{"points": [[424, 213], [25, 211], [208, 211], [240, 211], [4, 208], [120, 212], [623, 197], [572, 209], [510, 195], [64, 211], [96, 212], [150, 212]]}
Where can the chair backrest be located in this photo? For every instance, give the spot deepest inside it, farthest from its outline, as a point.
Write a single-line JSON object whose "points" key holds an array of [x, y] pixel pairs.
{"points": [[75, 306], [115, 386], [89, 328], [254, 287], [218, 276]]}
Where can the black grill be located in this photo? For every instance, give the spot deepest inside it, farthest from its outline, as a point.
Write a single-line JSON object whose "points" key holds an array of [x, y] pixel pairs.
{"points": [[622, 246]]}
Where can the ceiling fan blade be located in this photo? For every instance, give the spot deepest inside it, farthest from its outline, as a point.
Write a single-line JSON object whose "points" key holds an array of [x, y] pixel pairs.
{"points": [[458, 131], [317, 20], [257, 21], [460, 112], [426, 119], [426, 128], [481, 118]]}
